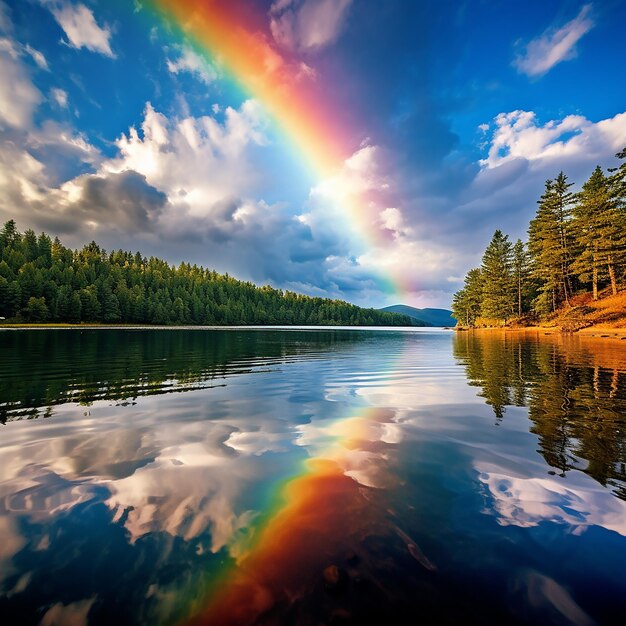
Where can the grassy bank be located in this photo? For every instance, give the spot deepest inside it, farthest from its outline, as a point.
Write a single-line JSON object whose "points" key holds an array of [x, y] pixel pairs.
{"points": [[603, 317]]}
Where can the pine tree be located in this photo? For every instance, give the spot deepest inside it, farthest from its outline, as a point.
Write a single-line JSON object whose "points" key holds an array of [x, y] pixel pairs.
{"points": [[4, 297], [498, 301], [616, 220], [547, 246], [521, 271], [74, 313], [460, 308], [562, 200], [589, 216], [466, 301], [9, 236]]}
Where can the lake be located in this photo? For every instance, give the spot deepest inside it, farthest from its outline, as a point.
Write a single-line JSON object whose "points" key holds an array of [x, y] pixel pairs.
{"points": [[311, 476]]}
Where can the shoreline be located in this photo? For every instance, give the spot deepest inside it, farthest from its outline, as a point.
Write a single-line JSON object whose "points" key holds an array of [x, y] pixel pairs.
{"points": [[598, 332], [105, 326]]}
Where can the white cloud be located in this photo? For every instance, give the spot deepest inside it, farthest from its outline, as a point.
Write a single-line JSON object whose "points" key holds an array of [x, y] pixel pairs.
{"points": [[191, 184], [190, 61], [37, 56], [81, 28], [5, 20], [554, 46], [197, 162], [519, 135], [59, 96], [307, 24], [18, 96], [13, 48], [360, 211]]}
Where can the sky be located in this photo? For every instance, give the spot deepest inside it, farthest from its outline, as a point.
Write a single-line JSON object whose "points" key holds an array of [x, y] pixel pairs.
{"points": [[358, 149]]}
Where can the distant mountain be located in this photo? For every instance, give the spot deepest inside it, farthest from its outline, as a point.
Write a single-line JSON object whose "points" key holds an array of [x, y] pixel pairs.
{"points": [[430, 317]]}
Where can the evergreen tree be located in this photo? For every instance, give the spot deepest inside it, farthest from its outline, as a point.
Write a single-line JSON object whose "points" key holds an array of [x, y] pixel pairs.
{"points": [[521, 271], [498, 300], [9, 236], [616, 220], [546, 252], [36, 310], [562, 199], [466, 302], [75, 308], [589, 216]]}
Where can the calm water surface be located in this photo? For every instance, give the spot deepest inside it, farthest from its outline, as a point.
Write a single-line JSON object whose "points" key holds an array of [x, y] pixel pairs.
{"points": [[311, 477]]}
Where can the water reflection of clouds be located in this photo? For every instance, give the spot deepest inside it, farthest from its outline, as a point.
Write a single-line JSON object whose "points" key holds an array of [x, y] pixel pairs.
{"points": [[12, 542], [192, 466], [526, 501], [361, 444], [187, 475], [189, 489], [72, 614], [181, 476]]}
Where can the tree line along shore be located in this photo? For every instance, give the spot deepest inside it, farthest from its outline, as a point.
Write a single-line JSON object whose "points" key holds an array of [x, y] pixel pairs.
{"points": [[44, 282], [571, 270]]}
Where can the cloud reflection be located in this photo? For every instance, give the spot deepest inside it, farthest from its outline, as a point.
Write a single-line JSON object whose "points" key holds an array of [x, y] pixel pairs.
{"points": [[529, 501]]}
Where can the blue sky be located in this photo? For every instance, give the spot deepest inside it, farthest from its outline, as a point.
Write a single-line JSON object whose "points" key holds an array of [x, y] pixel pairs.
{"points": [[113, 127]]}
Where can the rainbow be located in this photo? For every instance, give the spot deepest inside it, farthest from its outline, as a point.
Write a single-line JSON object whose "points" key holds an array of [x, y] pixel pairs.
{"points": [[234, 36], [323, 512], [327, 504], [314, 524]]}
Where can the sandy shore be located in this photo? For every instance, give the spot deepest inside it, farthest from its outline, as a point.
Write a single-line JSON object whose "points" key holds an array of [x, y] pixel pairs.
{"points": [[592, 331]]}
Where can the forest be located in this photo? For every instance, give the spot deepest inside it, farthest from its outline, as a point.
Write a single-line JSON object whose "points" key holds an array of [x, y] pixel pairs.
{"points": [[41, 280], [575, 253]]}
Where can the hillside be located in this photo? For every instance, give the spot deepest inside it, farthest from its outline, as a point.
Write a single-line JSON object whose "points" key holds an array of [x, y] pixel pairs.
{"points": [[43, 281], [584, 313], [427, 317], [606, 313]]}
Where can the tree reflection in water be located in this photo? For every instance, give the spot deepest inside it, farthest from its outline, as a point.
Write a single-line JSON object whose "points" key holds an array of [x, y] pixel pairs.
{"points": [[574, 388]]}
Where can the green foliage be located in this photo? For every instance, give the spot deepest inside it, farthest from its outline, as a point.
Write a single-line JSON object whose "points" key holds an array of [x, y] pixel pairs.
{"points": [[550, 241], [592, 214], [36, 310], [521, 276], [498, 300], [466, 302], [575, 241], [41, 280]]}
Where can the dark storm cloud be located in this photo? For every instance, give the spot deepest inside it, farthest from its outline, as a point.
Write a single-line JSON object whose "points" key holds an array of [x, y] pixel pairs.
{"points": [[123, 201]]}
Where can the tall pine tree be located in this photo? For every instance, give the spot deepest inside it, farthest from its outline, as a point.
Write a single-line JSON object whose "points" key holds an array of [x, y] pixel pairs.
{"points": [[550, 243], [498, 300], [466, 302], [521, 271], [616, 222], [589, 217]]}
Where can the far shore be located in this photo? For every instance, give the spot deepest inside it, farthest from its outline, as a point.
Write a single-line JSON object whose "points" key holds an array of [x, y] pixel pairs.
{"points": [[105, 326], [600, 331]]}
